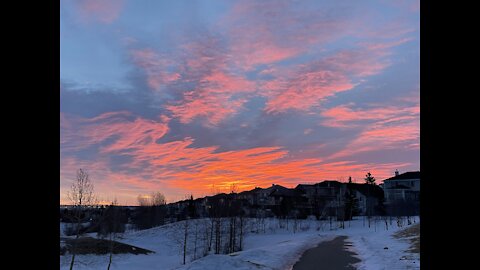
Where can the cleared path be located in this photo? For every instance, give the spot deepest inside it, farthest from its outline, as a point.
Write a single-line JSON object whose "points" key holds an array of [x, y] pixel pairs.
{"points": [[330, 255]]}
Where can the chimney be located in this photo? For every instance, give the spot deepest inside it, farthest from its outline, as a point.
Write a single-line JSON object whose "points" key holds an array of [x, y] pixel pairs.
{"points": [[396, 173]]}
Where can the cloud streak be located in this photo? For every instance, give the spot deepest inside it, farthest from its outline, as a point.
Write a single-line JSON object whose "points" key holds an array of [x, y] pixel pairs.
{"points": [[382, 128]]}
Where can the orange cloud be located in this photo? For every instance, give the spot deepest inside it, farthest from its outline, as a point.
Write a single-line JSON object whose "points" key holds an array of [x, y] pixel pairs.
{"points": [[176, 168]]}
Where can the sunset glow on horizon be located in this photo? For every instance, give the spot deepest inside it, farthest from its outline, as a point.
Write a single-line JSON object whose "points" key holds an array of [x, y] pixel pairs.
{"points": [[194, 97]]}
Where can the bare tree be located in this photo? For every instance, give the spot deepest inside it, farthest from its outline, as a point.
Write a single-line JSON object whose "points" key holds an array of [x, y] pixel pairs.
{"points": [[80, 195], [143, 200], [158, 199], [152, 210], [154, 199], [114, 213]]}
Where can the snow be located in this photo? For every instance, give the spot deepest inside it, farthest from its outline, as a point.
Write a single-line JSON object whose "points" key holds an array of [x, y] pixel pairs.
{"points": [[272, 248], [274, 252], [370, 243]]}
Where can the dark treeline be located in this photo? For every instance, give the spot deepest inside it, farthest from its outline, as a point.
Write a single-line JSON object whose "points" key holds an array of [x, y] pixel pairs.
{"points": [[328, 199]]}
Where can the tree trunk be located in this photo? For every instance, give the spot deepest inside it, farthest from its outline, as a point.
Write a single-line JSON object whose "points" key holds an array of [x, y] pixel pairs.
{"points": [[233, 234], [211, 235], [195, 243], [230, 238], [185, 241], [74, 247], [73, 260], [241, 234]]}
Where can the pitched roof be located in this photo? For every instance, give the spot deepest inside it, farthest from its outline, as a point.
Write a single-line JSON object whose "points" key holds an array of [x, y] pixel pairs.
{"points": [[407, 175], [367, 189], [283, 191], [324, 183], [329, 183]]}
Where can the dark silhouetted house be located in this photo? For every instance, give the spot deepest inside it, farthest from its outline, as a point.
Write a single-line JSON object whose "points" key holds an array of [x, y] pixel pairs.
{"points": [[329, 196], [402, 193], [370, 198], [405, 187]]}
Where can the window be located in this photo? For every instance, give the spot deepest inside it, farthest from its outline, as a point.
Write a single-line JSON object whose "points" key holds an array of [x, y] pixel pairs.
{"points": [[412, 183]]}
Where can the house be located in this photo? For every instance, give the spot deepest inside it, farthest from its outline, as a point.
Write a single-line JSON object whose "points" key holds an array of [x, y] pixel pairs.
{"points": [[402, 193], [318, 196], [405, 187], [329, 196], [370, 198], [289, 202], [261, 196]]}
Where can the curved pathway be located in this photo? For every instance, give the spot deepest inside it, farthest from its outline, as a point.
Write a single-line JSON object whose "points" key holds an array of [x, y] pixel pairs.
{"points": [[330, 255]]}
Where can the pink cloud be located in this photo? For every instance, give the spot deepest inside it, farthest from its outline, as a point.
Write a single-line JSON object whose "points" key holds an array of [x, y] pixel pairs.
{"points": [[345, 117], [129, 133], [216, 93], [104, 11], [155, 67], [383, 138], [207, 88], [265, 32], [176, 167], [386, 128], [387, 45], [308, 84], [213, 108], [274, 31], [213, 98], [306, 90]]}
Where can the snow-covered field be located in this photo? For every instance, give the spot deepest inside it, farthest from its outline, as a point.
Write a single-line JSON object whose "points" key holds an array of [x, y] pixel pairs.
{"points": [[272, 246]]}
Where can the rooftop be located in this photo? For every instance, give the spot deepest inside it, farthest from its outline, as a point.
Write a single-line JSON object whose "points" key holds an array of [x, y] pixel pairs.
{"points": [[407, 175]]}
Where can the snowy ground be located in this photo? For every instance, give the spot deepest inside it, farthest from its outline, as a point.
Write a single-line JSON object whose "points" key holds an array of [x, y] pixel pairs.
{"points": [[265, 247]]}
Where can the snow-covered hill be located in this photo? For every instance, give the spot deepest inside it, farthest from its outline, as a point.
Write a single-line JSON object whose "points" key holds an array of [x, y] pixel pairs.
{"points": [[265, 247]]}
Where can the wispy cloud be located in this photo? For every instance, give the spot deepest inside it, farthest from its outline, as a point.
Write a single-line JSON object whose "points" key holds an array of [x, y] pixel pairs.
{"points": [[382, 128], [156, 67], [345, 117], [124, 131], [104, 11], [179, 166]]}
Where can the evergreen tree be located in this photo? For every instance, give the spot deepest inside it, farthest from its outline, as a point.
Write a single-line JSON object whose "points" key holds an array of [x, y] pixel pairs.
{"points": [[369, 179], [351, 201], [191, 211]]}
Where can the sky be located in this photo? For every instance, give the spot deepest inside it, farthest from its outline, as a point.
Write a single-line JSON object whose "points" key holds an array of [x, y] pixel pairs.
{"points": [[199, 97]]}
